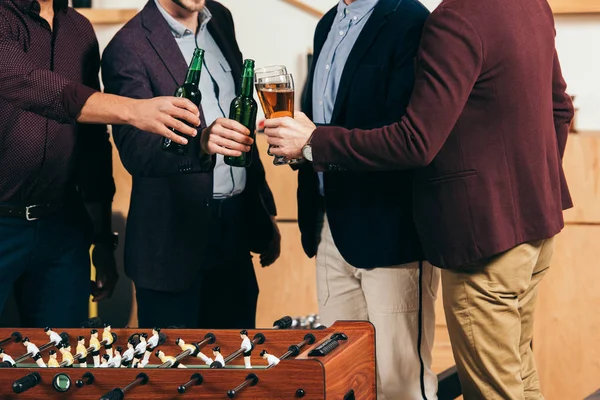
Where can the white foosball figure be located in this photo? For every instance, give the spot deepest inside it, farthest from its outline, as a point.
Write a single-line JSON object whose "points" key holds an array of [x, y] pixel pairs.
{"points": [[127, 358], [35, 352], [54, 337], [108, 339], [152, 344], [218, 357], [67, 357], [95, 344], [115, 361], [81, 352], [140, 350], [164, 359], [193, 349], [52, 359], [6, 358], [247, 347], [271, 359], [104, 361]]}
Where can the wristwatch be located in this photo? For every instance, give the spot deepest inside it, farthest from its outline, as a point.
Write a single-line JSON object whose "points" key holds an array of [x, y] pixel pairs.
{"points": [[109, 239], [307, 150]]}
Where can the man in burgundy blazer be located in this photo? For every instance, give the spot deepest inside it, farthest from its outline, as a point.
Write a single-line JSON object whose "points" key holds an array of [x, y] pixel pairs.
{"points": [[187, 252], [487, 127]]}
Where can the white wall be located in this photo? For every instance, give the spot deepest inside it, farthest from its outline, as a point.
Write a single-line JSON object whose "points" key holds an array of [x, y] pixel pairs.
{"points": [[273, 32]]}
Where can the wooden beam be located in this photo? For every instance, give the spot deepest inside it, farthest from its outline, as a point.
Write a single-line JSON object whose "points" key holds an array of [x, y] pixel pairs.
{"points": [[305, 7], [561, 7], [105, 16]]}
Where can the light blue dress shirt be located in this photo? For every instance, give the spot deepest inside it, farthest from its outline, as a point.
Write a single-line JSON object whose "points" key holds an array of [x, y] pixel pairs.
{"points": [[218, 91], [347, 26]]}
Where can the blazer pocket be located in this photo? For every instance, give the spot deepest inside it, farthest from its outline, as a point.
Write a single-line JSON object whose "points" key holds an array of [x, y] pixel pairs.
{"points": [[453, 176]]}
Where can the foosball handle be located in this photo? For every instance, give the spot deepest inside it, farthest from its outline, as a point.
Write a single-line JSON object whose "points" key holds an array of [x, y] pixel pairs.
{"points": [[119, 394], [26, 383], [283, 323], [251, 380], [195, 379], [86, 379], [14, 337]]}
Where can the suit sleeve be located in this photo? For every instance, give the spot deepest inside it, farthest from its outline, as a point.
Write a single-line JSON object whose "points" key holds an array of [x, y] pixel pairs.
{"points": [[562, 105], [36, 90], [449, 63], [124, 74]]}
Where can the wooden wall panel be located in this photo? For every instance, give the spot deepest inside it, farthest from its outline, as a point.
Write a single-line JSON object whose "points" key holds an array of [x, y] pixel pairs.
{"points": [[567, 326], [582, 168]]}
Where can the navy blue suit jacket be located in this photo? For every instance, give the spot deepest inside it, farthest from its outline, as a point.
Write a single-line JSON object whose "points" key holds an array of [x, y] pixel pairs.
{"points": [[370, 213]]}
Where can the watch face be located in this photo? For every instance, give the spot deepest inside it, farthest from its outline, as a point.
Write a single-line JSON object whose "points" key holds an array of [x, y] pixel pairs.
{"points": [[307, 152]]}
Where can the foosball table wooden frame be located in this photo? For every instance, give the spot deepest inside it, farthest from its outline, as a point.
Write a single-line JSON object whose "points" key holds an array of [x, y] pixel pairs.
{"points": [[333, 363]]}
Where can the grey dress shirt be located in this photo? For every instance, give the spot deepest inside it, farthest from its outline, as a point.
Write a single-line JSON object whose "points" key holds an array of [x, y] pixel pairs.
{"points": [[347, 26], [218, 90]]}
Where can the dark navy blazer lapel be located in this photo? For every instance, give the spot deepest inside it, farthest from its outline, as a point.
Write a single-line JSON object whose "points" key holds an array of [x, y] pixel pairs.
{"points": [[162, 40], [377, 20]]}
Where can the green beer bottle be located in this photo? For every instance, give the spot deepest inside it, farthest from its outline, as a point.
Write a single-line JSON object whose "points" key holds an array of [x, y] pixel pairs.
{"points": [[243, 110], [191, 91]]}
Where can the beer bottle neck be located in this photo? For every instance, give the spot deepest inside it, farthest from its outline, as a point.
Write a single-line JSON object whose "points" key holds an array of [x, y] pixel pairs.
{"points": [[193, 75], [248, 78]]}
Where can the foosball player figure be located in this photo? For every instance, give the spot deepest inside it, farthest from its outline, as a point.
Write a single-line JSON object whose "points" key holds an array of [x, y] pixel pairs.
{"points": [[140, 350], [54, 337], [194, 351], [81, 352], [152, 344], [52, 360], [164, 358], [247, 347], [108, 339], [95, 345], [6, 359], [271, 359], [115, 361], [104, 361], [219, 360], [35, 352], [128, 355], [67, 357]]}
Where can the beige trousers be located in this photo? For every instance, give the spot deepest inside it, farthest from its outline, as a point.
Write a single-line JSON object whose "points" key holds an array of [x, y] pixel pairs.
{"points": [[388, 298], [489, 309]]}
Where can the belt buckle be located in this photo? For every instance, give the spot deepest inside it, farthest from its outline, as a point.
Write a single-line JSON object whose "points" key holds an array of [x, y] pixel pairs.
{"points": [[28, 214]]}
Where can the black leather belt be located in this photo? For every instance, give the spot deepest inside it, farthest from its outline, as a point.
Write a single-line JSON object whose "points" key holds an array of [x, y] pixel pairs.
{"points": [[30, 213]]}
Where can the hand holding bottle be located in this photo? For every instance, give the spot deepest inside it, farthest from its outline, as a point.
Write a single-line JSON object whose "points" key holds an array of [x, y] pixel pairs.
{"points": [[226, 137]]}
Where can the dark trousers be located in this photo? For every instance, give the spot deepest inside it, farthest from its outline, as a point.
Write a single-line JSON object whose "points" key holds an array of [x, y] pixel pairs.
{"points": [[47, 264], [225, 292]]}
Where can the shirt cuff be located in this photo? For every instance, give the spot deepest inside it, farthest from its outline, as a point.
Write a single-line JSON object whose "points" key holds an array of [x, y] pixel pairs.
{"points": [[74, 96]]}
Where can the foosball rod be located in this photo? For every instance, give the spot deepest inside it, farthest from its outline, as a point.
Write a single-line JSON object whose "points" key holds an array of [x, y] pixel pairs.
{"points": [[251, 380], [119, 394], [15, 337], [64, 336], [294, 349], [209, 338], [195, 380], [78, 356], [259, 338]]}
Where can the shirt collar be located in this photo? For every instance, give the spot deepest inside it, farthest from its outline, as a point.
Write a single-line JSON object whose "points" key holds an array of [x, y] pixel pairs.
{"points": [[177, 28], [357, 10]]}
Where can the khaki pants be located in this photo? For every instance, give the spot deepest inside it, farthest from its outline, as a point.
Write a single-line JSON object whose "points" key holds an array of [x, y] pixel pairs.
{"points": [[389, 298], [489, 309]]}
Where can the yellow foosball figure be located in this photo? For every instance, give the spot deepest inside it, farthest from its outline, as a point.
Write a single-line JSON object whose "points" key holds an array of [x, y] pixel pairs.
{"points": [[53, 361], [81, 352], [107, 339], [168, 359], [95, 345]]}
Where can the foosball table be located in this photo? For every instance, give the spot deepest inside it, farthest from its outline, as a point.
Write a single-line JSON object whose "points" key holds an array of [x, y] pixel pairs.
{"points": [[113, 364]]}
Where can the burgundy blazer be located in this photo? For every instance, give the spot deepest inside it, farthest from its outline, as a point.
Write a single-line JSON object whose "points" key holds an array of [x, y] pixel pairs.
{"points": [[487, 125]]}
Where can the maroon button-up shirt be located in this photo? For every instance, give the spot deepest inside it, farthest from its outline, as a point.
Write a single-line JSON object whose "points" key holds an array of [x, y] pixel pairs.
{"points": [[46, 76]]}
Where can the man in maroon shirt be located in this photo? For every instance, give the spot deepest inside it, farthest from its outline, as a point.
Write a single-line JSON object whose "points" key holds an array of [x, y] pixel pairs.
{"points": [[487, 125], [55, 172]]}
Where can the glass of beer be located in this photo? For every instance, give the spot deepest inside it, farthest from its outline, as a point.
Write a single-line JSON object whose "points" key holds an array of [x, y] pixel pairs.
{"points": [[275, 88]]}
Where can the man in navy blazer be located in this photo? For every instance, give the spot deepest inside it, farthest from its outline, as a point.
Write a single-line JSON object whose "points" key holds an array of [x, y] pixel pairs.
{"points": [[359, 225], [193, 220]]}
